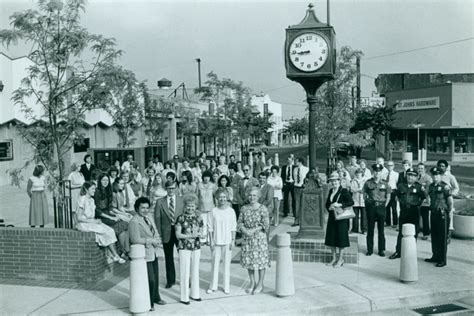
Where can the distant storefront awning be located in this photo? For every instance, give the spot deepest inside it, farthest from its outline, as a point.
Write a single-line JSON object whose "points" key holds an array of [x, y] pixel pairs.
{"points": [[428, 119]]}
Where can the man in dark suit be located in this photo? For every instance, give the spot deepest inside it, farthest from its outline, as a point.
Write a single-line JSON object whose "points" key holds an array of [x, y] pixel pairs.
{"points": [[266, 194], [402, 176], [167, 209], [288, 187], [87, 168]]}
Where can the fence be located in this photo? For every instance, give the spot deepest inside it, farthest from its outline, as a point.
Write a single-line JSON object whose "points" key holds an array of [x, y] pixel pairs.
{"points": [[62, 201]]}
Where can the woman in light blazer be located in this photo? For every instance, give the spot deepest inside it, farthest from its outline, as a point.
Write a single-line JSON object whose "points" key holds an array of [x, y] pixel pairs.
{"points": [[143, 231]]}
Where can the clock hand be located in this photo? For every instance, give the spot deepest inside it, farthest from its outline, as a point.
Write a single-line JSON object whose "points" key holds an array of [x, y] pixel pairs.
{"points": [[304, 52]]}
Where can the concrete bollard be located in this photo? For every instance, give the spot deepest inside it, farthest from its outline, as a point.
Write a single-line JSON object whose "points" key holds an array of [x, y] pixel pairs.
{"points": [[408, 261], [251, 162], [277, 160], [285, 284], [139, 292]]}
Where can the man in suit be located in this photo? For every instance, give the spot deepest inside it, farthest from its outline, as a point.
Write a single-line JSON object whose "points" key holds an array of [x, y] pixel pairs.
{"points": [[246, 183], [288, 187], [167, 209], [299, 174], [87, 168], [266, 193], [143, 231], [402, 177]]}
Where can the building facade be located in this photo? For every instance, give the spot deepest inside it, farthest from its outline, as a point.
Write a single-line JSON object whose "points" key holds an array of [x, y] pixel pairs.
{"points": [[265, 106], [432, 113]]}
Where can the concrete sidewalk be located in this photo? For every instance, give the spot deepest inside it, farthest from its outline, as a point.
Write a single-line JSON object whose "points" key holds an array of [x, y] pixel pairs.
{"points": [[371, 285]]}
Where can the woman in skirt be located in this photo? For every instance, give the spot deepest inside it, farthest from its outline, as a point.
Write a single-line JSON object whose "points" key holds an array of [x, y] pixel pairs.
{"points": [[39, 214]]}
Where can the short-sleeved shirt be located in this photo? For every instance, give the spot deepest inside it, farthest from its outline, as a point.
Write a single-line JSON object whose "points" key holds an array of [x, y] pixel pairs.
{"points": [[439, 194], [376, 191], [222, 224], [189, 223], [425, 180], [410, 195]]}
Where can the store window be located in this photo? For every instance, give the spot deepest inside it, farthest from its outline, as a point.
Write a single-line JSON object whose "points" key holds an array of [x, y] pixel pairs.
{"points": [[81, 146], [6, 150], [463, 142], [438, 142]]}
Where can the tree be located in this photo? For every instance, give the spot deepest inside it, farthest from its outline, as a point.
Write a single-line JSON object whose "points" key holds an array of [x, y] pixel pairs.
{"points": [[335, 115], [124, 102], [297, 127], [157, 113], [63, 78]]}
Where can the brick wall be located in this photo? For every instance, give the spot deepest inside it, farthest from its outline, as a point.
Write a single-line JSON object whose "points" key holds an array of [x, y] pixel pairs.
{"points": [[61, 255]]}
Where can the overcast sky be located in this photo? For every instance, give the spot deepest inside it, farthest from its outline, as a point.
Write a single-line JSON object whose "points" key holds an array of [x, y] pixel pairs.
{"points": [[243, 40]]}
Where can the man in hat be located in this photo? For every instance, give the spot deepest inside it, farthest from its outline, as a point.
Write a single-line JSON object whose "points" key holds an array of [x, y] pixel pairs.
{"points": [[410, 196], [441, 206], [376, 196]]}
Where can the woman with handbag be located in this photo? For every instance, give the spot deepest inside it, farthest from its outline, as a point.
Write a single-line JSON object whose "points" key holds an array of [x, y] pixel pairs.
{"points": [[339, 205]]}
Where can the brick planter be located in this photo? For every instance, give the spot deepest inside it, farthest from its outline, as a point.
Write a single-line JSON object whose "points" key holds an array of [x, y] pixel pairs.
{"points": [[60, 255]]}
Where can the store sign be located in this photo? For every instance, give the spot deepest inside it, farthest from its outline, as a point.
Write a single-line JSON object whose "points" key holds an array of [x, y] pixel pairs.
{"points": [[372, 102], [418, 104], [157, 143]]}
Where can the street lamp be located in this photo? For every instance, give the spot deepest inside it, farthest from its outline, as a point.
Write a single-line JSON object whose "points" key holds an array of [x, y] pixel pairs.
{"points": [[418, 126]]}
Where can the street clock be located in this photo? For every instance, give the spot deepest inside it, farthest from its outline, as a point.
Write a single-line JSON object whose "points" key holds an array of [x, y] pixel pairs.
{"points": [[310, 50]]}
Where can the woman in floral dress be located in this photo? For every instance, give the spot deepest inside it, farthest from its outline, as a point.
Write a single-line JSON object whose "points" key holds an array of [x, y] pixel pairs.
{"points": [[206, 190], [254, 223]]}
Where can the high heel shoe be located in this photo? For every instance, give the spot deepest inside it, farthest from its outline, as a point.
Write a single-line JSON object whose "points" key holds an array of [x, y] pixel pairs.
{"points": [[250, 289], [332, 263], [257, 290], [339, 263]]}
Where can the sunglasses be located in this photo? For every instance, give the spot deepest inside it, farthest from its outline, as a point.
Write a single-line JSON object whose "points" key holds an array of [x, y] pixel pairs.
{"points": [[246, 169]]}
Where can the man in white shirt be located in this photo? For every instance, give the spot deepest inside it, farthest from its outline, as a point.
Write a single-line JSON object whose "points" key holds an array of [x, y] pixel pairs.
{"points": [[127, 163], [299, 174], [391, 209], [448, 178], [352, 166], [384, 171], [366, 172]]}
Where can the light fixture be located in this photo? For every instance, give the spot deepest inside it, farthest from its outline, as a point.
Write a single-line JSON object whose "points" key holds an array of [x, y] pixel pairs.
{"points": [[1, 86]]}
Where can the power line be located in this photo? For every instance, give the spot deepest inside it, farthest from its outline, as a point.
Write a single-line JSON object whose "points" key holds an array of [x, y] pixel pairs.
{"points": [[282, 87], [420, 48]]}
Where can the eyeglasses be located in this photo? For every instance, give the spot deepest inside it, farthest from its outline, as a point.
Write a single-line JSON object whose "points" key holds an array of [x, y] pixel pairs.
{"points": [[246, 169], [390, 165]]}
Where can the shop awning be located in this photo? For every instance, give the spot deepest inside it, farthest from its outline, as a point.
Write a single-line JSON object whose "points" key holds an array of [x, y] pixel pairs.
{"points": [[429, 119]]}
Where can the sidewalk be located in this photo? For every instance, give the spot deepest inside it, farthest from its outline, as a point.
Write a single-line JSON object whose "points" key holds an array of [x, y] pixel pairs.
{"points": [[371, 285]]}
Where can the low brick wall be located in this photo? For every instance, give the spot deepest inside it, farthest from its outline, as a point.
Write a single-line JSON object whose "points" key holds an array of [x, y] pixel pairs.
{"points": [[61, 255]]}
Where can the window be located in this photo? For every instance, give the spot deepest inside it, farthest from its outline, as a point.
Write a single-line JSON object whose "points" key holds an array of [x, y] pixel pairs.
{"points": [[81, 145], [6, 150]]}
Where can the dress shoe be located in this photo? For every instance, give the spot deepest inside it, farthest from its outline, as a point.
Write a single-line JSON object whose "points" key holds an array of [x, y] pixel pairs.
{"points": [[431, 260], [209, 291], [161, 302], [285, 215], [368, 253], [258, 290], [295, 224], [395, 255], [440, 264], [424, 238], [185, 303], [152, 309], [196, 299], [333, 261], [168, 285], [381, 254], [339, 263]]}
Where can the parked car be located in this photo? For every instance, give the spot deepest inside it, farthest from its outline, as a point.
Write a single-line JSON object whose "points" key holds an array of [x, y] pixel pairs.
{"points": [[345, 149]]}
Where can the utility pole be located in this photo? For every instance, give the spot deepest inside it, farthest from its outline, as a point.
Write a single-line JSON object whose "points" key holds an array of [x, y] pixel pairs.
{"points": [[358, 82], [199, 71]]}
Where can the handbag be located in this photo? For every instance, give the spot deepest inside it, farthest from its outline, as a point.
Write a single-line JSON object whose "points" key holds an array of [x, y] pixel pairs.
{"points": [[341, 213]]}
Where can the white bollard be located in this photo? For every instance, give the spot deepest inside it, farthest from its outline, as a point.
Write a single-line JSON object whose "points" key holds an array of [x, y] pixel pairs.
{"points": [[277, 160], [251, 162], [408, 261], [285, 284], [139, 292]]}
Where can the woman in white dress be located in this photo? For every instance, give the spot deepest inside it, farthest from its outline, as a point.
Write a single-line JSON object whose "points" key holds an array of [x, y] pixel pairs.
{"points": [[77, 180], [86, 222], [39, 214], [157, 190], [277, 184]]}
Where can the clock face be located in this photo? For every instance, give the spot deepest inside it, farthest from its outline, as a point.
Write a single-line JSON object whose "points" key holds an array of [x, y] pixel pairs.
{"points": [[308, 52]]}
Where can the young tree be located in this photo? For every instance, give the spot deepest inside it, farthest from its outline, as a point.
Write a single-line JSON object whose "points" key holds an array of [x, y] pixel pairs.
{"points": [[63, 78], [157, 114], [124, 102], [297, 127], [335, 115]]}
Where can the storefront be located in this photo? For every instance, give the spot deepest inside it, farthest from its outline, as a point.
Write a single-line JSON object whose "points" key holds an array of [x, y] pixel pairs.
{"points": [[438, 118]]}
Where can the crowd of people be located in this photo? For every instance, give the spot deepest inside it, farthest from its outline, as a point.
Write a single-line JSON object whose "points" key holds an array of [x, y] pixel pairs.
{"points": [[185, 205]]}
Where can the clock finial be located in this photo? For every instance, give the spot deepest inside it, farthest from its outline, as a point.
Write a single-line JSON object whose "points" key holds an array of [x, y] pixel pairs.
{"points": [[310, 6]]}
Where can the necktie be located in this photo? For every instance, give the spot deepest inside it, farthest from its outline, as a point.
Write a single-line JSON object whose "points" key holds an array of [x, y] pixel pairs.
{"points": [[388, 176], [148, 187], [171, 209], [288, 172], [127, 198], [298, 175], [246, 178], [150, 225]]}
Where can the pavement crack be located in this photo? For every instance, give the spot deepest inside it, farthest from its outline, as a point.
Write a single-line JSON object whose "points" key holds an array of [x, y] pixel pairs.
{"points": [[48, 302], [360, 294]]}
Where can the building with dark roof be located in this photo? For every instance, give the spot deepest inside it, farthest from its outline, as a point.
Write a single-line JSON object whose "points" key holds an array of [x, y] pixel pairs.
{"points": [[434, 112]]}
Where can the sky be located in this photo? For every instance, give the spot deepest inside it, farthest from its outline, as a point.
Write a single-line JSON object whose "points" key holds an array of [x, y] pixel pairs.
{"points": [[244, 40]]}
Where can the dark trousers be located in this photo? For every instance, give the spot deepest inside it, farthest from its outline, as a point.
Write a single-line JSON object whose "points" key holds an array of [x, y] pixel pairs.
{"points": [[425, 220], [236, 208], [439, 235], [153, 281], [391, 210], [361, 215], [298, 204], [375, 214], [409, 214], [289, 190], [168, 249]]}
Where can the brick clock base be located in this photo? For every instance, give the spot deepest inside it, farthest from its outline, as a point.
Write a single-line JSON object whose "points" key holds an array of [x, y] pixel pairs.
{"points": [[314, 250]]}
